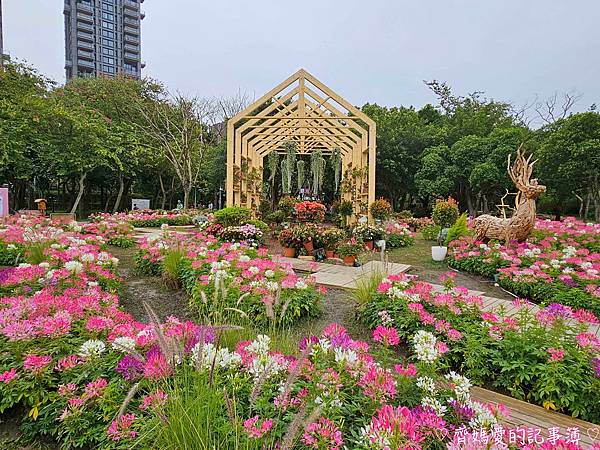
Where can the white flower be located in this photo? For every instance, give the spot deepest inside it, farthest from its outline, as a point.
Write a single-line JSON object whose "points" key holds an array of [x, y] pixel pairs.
{"points": [[74, 266], [260, 345], [244, 258], [345, 356], [426, 383], [300, 284], [44, 265], [87, 258], [24, 265], [11, 246], [114, 261], [269, 273], [164, 226], [253, 270], [205, 355], [124, 344], [434, 404], [93, 347], [483, 417], [425, 346], [462, 386]]}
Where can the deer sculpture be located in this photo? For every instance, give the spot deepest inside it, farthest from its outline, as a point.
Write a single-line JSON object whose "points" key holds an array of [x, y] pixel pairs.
{"points": [[519, 226]]}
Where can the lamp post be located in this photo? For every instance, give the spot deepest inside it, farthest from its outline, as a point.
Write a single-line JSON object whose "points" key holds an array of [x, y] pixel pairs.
{"points": [[220, 197]]}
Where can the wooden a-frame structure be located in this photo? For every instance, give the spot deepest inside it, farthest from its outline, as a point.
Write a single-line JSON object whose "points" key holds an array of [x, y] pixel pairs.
{"points": [[303, 110]]}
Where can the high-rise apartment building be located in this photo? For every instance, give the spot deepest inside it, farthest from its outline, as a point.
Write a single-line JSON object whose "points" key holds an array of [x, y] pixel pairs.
{"points": [[103, 37]]}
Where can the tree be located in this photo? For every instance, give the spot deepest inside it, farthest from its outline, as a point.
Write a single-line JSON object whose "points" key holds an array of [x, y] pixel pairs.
{"points": [[177, 125], [569, 161]]}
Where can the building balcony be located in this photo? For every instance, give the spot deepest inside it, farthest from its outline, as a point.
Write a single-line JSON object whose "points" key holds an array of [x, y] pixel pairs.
{"points": [[131, 30], [85, 17], [132, 48], [84, 63], [128, 4], [132, 39], [85, 7], [143, 64], [131, 56], [134, 22], [142, 15], [84, 26], [85, 36], [68, 63], [85, 45], [85, 55]]}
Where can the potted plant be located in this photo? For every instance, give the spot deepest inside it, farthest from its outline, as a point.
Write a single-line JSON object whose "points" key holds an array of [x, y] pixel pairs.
{"points": [[330, 237], [289, 242], [381, 210], [445, 213], [368, 234], [438, 252], [349, 250], [345, 209], [305, 234], [308, 211]]}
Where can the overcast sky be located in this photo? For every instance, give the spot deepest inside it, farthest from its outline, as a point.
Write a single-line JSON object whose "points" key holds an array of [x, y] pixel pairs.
{"points": [[377, 51]]}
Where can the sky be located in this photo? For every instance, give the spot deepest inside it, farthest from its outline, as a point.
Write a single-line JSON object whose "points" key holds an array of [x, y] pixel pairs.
{"points": [[376, 51]]}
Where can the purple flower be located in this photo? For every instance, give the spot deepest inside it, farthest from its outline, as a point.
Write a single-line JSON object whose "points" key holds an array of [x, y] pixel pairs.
{"points": [[596, 365], [130, 367], [558, 310]]}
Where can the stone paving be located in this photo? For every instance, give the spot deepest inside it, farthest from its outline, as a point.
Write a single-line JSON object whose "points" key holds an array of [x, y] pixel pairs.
{"points": [[343, 277]]}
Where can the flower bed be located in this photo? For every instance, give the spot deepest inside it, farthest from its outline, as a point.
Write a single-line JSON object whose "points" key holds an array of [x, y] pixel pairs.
{"points": [[560, 263], [148, 218], [398, 235], [234, 281], [548, 358], [90, 376]]}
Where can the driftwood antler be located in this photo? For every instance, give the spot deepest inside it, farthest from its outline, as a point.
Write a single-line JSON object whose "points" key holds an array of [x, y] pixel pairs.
{"points": [[520, 172]]}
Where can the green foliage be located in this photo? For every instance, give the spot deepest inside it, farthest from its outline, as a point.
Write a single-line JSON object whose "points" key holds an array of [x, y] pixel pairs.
{"points": [[277, 217], [262, 226], [232, 216], [445, 212], [430, 232], [287, 205], [458, 230], [345, 208], [381, 209]]}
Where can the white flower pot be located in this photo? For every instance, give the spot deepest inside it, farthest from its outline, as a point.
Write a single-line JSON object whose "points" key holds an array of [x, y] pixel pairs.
{"points": [[438, 253]]}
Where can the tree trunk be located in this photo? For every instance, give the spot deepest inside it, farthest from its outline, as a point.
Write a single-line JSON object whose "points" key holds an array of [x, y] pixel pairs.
{"points": [[162, 190], [80, 194], [120, 194], [186, 196]]}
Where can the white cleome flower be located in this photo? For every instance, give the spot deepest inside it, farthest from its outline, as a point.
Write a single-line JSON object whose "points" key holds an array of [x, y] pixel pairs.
{"points": [[260, 345], [205, 355], [124, 344], [74, 266], [93, 347], [425, 349]]}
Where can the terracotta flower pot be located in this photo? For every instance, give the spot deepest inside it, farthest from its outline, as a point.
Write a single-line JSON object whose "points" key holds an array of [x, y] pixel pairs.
{"points": [[369, 245], [329, 253], [349, 260], [309, 246], [289, 252]]}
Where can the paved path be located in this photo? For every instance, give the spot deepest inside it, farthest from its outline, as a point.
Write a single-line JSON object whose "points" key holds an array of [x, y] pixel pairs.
{"points": [[343, 277]]}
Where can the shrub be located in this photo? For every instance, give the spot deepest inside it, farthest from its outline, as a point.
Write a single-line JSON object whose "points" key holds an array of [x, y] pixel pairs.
{"points": [[232, 216], [345, 208], [381, 209], [458, 230], [404, 214], [276, 217], [445, 212], [287, 205], [430, 232], [262, 226]]}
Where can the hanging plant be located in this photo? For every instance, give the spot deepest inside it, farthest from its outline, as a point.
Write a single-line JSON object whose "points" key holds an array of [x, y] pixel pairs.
{"points": [[317, 166], [288, 166], [285, 187], [300, 166], [272, 164], [336, 164]]}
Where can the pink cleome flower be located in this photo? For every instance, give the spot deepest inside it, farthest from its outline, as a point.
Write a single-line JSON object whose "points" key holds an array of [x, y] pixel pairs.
{"points": [[386, 336], [122, 428], [323, 434], [256, 430], [36, 364]]}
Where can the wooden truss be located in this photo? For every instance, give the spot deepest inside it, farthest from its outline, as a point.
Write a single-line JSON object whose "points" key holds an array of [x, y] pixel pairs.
{"points": [[304, 110]]}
